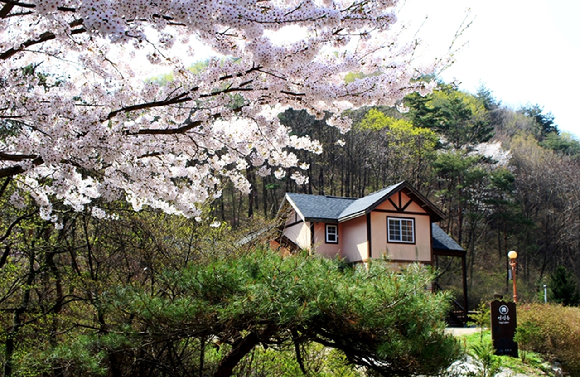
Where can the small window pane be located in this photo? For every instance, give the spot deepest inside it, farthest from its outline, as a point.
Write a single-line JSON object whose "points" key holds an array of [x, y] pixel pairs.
{"points": [[400, 230], [331, 233]]}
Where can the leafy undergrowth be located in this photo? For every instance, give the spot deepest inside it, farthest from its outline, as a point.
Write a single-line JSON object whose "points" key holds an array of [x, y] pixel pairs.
{"points": [[552, 330], [480, 349]]}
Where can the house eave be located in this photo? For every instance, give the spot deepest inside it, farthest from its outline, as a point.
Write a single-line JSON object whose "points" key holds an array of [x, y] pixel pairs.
{"points": [[352, 216], [320, 220], [289, 200]]}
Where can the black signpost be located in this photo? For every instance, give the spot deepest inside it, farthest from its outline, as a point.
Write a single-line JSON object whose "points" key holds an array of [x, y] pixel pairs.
{"points": [[503, 328]]}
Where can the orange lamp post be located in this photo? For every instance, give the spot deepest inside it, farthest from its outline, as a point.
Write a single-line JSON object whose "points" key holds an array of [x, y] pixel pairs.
{"points": [[512, 255]]}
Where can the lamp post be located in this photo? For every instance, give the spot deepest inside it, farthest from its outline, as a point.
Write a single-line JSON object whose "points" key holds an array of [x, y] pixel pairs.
{"points": [[512, 255]]}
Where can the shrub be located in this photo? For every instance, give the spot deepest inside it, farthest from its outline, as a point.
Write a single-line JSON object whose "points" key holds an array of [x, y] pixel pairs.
{"points": [[552, 330]]}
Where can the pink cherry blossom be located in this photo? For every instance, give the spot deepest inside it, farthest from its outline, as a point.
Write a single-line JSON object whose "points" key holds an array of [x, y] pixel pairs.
{"points": [[76, 107]]}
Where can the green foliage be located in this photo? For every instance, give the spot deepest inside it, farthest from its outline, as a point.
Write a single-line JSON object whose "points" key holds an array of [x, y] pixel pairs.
{"points": [[351, 77], [563, 143], [544, 122], [534, 365], [281, 362], [552, 330], [527, 334], [482, 317], [484, 354], [563, 287], [164, 78], [404, 139], [369, 315], [459, 117]]}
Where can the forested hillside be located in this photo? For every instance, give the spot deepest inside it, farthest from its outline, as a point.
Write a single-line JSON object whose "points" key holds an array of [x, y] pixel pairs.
{"points": [[506, 179]]}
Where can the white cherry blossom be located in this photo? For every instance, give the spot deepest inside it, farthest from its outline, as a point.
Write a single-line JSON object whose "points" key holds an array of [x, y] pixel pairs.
{"points": [[79, 122]]}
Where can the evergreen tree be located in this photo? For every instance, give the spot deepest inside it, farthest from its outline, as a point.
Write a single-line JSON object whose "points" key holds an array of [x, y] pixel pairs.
{"points": [[564, 288]]}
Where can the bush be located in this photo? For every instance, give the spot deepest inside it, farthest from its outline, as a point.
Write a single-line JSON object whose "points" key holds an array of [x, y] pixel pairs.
{"points": [[552, 330]]}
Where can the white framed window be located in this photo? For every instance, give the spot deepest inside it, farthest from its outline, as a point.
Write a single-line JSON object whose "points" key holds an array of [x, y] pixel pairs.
{"points": [[401, 230], [331, 233]]}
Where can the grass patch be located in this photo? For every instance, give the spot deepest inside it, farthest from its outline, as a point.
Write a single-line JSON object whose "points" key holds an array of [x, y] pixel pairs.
{"points": [[531, 364]]}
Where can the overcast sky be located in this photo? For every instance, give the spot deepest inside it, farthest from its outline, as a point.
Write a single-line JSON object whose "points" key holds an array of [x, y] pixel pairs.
{"points": [[524, 51]]}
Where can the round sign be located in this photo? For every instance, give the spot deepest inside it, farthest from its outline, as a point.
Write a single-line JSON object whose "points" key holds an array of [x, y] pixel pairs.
{"points": [[503, 309]]}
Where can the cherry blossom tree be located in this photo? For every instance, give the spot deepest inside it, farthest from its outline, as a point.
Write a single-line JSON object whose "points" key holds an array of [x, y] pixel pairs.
{"points": [[80, 120]]}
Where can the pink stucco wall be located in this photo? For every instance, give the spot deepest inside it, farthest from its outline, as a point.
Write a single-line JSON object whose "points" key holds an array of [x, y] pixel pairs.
{"points": [[355, 239], [330, 250], [420, 250]]}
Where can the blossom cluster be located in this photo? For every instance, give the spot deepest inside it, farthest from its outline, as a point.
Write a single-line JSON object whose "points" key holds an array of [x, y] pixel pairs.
{"points": [[75, 109]]}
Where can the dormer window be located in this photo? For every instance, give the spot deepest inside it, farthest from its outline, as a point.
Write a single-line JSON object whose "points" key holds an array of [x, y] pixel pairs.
{"points": [[331, 233], [401, 230]]}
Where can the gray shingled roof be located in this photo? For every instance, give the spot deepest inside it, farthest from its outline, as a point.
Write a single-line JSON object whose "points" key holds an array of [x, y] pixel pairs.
{"points": [[442, 241], [319, 207], [360, 206], [333, 208]]}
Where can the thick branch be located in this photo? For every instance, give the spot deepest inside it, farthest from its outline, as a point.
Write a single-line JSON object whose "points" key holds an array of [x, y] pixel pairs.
{"points": [[18, 169], [18, 3], [180, 130], [296, 340], [32, 6], [9, 230], [6, 10], [47, 36], [142, 106], [183, 97], [228, 363], [16, 157]]}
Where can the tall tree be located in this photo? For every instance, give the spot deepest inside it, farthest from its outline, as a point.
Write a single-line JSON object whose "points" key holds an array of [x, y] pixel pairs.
{"points": [[459, 117], [544, 122], [563, 287]]}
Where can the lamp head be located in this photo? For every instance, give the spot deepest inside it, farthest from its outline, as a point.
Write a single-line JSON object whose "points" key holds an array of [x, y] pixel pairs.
{"points": [[512, 255]]}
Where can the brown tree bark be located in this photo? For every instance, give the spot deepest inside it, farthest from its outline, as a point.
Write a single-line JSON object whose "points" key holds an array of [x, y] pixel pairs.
{"points": [[228, 363]]}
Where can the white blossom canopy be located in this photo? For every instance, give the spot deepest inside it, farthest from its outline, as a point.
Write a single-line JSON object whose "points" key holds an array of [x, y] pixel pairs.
{"points": [[79, 122]]}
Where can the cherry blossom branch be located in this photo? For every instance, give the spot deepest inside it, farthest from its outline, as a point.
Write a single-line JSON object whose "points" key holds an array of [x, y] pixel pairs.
{"points": [[31, 6], [16, 157], [18, 169], [44, 37], [6, 9], [184, 97]]}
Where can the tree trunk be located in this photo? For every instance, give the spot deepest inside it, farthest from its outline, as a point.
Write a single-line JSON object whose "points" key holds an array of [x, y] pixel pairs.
{"points": [[10, 344], [228, 363]]}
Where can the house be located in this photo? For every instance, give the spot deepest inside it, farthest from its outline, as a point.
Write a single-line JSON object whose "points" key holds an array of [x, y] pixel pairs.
{"points": [[396, 222]]}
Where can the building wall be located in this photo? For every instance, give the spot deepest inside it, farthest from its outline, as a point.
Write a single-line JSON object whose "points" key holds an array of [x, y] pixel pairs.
{"points": [[299, 233], [330, 250], [355, 239], [403, 252]]}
